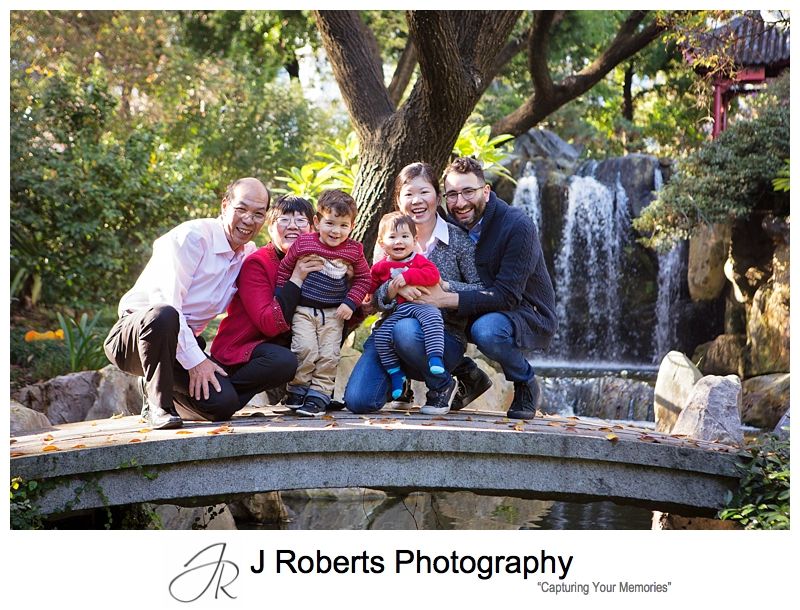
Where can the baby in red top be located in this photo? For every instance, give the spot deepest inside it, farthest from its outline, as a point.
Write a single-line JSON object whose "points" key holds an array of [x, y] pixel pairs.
{"points": [[397, 235]]}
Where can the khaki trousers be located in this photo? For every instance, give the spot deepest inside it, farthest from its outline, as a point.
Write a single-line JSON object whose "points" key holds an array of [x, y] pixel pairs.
{"points": [[316, 341]]}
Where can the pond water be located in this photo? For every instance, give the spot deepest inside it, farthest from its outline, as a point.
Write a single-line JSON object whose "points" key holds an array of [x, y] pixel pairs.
{"points": [[365, 509]]}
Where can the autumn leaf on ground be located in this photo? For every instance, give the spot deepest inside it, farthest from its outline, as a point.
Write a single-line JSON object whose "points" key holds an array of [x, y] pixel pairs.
{"points": [[13, 440], [333, 424], [17, 453], [135, 440], [183, 432], [505, 420], [573, 417], [439, 418], [49, 437], [519, 426], [428, 423], [604, 429], [221, 430], [79, 446], [469, 418], [327, 417], [117, 416], [554, 423], [145, 430], [50, 448], [612, 437]]}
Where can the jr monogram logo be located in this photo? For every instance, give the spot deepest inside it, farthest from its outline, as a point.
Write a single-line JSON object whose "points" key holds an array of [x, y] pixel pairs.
{"points": [[204, 569]]}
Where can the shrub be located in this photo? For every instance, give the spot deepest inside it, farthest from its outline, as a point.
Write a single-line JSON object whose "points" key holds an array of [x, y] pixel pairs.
{"points": [[762, 499]]}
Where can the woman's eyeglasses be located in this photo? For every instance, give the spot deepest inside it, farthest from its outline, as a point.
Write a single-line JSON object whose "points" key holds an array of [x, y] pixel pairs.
{"points": [[301, 222]]}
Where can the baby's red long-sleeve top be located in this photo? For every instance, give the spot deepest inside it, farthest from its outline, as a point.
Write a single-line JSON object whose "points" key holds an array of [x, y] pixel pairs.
{"points": [[418, 271]]}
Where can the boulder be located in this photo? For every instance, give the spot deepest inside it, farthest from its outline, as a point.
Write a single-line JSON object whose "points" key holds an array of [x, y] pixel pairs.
{"points": [[118, 393], [768, 326], [65, 399], [765, 400], [669, 521], [712, 411], [725, 355], [175, 517], [26, 421], [676, 377], [708, 251], [266, 507]]}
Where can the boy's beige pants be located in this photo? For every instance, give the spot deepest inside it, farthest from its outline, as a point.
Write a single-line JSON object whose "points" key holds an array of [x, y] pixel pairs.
{"points": [[316, 339]]}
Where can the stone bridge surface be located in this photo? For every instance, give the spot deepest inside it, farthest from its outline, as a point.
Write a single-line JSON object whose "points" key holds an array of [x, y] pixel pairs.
{"points": [[121, 461]]}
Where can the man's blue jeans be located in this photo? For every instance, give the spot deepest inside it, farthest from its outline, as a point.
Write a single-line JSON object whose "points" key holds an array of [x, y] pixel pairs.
{"points": [[368, 387], [493, 333]]}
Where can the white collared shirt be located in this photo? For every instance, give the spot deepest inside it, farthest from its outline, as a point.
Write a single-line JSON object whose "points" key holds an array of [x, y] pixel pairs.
{"points": [[440, 234], [193, 269]]}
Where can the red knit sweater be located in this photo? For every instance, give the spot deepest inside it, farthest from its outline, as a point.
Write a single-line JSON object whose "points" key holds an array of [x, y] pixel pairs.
{"points": [[419, 271]]}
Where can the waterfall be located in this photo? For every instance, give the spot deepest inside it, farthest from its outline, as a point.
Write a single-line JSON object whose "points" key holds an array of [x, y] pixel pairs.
{"points": [[527, 198], [588, 269], [664, 332]]}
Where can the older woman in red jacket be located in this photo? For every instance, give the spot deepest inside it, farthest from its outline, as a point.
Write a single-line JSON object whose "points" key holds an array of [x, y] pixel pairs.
{"points": [[252, 341]]}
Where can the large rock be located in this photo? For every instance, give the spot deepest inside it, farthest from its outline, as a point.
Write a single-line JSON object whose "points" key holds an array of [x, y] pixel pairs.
{"points": [[676, 378], [725, 355], [118, 393], [266, 507], [174, 517], [712, 411], [768, 321], [26, 421], [708, 251], [65, 399], [765, 400]]}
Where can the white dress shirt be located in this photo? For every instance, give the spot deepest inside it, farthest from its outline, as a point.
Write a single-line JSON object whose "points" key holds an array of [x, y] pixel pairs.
{"points": [[193, 269]]}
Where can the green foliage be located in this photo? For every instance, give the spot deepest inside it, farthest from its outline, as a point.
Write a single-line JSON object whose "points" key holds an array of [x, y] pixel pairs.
{"points": [[476, 141], [781, 182], [762, 499], [724, 179], [35, 361], [83, 342], [24, 512], [81, 197]]}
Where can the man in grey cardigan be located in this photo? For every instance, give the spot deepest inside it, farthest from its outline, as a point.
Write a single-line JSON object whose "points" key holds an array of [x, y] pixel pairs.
{"points": [[515, 312]]}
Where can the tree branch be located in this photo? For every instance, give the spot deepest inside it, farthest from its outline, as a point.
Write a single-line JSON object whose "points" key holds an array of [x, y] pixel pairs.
{"points": [[352, 52], [403, 72], [546, 100]]}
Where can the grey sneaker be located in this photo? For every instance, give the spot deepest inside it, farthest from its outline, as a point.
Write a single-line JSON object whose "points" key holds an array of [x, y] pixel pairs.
{"points": [[438, 403], [313, 406], [526, 397], [470, 386], [158, 419]]}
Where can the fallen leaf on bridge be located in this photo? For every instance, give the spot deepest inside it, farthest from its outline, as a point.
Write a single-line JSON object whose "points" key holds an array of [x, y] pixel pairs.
{"points": [[438, 418], [50, 448], [13, 440], [79, 446], [327, 417], [17, 453], [519, 427], [333, 424], [145, 430], [573, 417], [605, 429], [428, 423], [135, 440], [116, 416], [505, 420], [221, 430], [469, 418], [612, 437], [554, 423], [49, 437], [183, 432]]}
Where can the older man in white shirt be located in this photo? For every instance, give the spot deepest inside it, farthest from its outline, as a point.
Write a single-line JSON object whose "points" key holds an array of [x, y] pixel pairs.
{"points": [[189, 280]]}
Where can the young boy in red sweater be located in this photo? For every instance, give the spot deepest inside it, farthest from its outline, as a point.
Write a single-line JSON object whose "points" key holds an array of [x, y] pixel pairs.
{"points": [[326, 301], [397, 235]]}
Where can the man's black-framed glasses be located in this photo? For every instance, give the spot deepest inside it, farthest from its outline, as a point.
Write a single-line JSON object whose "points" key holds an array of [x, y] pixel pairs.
{"points": [[468, 194]]}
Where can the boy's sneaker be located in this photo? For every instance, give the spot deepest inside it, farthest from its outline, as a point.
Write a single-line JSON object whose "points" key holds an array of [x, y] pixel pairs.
{"points": [[526, 397], [293, 400], [336, 405], [313, 406], [438, 403], [470, 386]]}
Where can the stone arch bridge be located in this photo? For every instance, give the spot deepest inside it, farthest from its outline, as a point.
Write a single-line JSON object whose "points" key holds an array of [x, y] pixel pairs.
{"points": [[120, 461]]}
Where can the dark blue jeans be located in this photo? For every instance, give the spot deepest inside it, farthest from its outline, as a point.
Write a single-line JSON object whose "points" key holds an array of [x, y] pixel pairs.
{"points": [[493, 333], [368, 387]]}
